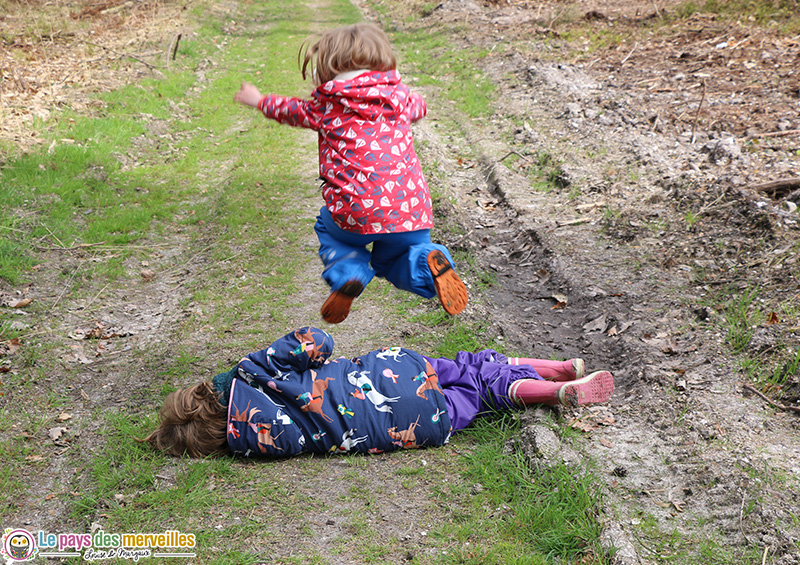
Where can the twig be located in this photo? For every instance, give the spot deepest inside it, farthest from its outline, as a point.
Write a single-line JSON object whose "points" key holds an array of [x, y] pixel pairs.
{"points": [[655, 5], [73, 248], [509, 154], [741, 514], [175, 46], [772, 134], [770, 401], [628, 56], [134, 57], [697, 114], [95, 297], [777, 185]]}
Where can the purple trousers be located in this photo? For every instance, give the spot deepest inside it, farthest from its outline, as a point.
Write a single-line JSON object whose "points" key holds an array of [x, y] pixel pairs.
{"points": [[475, 384]]}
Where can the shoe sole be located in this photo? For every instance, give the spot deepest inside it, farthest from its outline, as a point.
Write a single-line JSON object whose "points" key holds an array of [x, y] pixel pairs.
{"points": [[449, 287], [592, 389], [337, 307]]}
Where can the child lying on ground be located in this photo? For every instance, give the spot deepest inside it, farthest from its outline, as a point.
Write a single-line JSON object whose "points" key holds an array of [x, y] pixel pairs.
{"points": [[292, 397]]}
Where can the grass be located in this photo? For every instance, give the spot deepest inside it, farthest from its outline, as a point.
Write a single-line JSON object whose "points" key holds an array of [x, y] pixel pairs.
{"points": [[454, 71], [540, 513]]}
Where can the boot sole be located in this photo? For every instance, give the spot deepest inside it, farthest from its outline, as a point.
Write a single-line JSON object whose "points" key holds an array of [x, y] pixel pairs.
{"points": [[337, 307], [592, 389], [449, 287]]}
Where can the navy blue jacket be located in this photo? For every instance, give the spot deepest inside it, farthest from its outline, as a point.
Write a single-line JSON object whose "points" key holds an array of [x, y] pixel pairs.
{"points": [[292, 398]]}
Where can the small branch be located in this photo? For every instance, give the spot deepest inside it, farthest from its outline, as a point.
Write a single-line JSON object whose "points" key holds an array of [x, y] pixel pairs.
{"points": [[628, 56], [778, 185], [175, 46], [73, 248], [658, 13], [134, 57], [697, 114], [772, 134], [770, 401], [509, 154]]}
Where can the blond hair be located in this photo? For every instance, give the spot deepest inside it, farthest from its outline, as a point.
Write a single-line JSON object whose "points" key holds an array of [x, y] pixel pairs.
{"points": [[192, 421], [349, 48]]}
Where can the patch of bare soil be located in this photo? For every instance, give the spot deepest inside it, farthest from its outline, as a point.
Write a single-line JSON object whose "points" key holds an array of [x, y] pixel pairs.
{"points": [[675, 192]]}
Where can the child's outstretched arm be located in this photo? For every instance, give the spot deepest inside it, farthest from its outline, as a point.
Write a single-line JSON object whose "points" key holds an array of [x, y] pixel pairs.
{"points": [[306, 348], [283, 109], [416, 106], [248, 95]]}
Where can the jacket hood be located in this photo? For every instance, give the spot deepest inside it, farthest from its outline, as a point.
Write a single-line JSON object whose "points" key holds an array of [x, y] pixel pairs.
{"points": [[369, 95]]}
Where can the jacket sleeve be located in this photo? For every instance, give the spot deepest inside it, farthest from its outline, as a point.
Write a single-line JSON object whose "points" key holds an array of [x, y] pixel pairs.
{"points": [[291, 111], [306, 348], [417, 108]]}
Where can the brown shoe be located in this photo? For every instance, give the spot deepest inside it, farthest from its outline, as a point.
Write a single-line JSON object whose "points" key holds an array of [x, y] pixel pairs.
{"points": [[449, 288], [337, 306]]}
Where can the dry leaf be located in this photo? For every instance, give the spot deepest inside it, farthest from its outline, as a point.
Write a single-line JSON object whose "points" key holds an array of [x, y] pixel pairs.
{"points": [[773, 319], [56, 433], [64, 416], [147, 275], [10, 347], [597, 325]]}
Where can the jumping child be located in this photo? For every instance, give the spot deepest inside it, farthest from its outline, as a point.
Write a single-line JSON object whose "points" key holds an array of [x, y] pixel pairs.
{"points": [[372, 182], [293, 398]]}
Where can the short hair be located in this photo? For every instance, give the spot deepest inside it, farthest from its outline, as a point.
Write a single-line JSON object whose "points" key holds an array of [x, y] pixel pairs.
{"points": [[192, 422], [348, 48]]}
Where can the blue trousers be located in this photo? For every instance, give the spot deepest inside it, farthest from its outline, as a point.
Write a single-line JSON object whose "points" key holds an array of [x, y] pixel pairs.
{"points": [[400, 258]]}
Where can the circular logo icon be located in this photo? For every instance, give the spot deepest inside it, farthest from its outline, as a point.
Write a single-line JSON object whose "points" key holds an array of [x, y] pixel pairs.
{"points": [[19, 545]]}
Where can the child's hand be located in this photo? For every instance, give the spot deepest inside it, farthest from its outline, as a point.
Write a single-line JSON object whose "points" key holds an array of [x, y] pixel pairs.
{"points": [[248, 95]]}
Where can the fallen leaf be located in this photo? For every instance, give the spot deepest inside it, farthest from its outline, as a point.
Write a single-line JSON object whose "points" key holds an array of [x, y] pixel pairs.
{"points": [[13, 302], [678, 505], [605, 443], [10, 347], [64, 416], [597, 325], [147, 275], [773, 319], [56, 433]]}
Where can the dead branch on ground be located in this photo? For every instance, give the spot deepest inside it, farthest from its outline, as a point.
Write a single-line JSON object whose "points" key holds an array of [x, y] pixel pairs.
{"points": [[770, 401]]}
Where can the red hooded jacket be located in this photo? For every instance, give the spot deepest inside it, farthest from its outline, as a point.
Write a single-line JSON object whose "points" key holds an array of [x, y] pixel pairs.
{"points": [[373, 182]]}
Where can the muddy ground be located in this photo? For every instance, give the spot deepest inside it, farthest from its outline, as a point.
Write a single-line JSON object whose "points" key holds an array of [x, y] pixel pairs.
{"points": [[658, 152]]}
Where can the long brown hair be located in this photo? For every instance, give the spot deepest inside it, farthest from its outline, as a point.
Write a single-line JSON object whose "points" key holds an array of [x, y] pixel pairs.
{"points": [[349, 48], [192, 421]]}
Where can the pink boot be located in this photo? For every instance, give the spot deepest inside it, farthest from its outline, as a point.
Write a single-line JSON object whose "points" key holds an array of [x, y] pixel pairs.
{"points": [[591, 389], [568, 370]]}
